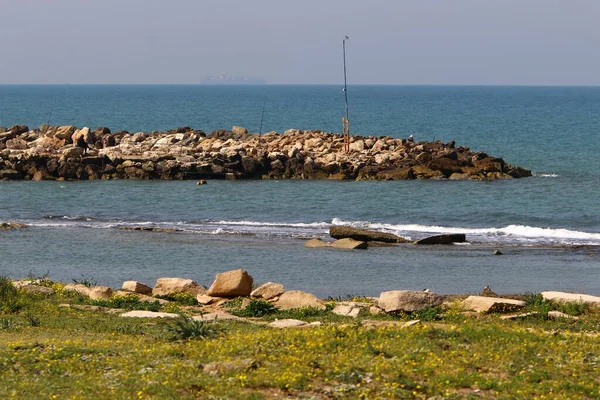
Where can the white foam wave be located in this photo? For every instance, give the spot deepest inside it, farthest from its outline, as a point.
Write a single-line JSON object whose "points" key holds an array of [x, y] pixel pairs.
{"points": [[511, 231], [275, 224], [548, 175]]}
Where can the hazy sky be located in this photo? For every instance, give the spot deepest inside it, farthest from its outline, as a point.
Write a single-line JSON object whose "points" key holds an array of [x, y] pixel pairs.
{"points": [[493, 42]]}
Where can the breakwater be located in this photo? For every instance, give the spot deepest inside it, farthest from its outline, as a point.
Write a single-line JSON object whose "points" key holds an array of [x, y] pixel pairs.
{"points": [[66, 152]]}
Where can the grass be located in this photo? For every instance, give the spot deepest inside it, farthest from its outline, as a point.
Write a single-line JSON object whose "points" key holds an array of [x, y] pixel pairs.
{"points": [[83, 354]]}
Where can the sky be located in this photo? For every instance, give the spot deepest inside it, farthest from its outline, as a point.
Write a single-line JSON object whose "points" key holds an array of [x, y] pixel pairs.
{"points": [[392, 42]]}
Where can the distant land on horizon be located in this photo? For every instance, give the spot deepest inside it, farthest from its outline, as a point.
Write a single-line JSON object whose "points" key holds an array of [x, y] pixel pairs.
{"points": [[225, 79]]}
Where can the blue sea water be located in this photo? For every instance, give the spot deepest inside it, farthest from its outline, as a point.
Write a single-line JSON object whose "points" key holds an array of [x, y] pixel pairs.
{"points": [[547, 226]]}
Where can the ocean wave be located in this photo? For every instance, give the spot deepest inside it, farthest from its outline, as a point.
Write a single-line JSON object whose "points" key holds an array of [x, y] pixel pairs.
{"points": [[510, 234], [523, 232], [544, 175]]}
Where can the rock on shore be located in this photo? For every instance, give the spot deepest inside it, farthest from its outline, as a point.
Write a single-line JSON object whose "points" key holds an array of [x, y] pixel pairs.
{"points": [[57, 152]]}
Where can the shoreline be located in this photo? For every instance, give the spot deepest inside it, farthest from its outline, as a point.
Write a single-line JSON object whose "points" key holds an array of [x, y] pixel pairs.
{"points": [[68, 153]]}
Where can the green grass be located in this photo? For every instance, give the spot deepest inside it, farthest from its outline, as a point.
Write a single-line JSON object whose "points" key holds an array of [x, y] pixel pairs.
{"points": [[72, 353]]}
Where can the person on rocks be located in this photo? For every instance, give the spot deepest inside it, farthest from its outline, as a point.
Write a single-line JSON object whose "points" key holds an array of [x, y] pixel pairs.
{"points": [[83, 144]]}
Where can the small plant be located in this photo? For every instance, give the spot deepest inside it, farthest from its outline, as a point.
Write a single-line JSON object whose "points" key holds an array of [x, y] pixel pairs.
{"points": [[427, 314], [89, 282], [128, 302], [42, 280], [185, 299], [33, 320], [184, 327], [573, 308], [10, 299], [256, 308], [534, 300], [6, 323]]}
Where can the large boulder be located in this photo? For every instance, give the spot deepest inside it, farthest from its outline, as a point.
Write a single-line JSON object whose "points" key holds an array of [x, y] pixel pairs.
{"points": [[563, 297], [231, 284], [100, 293], [484, 304], [78, 288], [136, 287], [172, 286], [349, 244], [268, 290], [364, 235], [407, 300], [298, 299], [444, 239]]}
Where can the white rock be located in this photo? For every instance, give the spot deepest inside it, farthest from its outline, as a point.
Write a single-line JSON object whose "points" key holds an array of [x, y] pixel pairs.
{"points": [[570, 297], [148, 314], [491, 304], [287, 323], [268, 290]]}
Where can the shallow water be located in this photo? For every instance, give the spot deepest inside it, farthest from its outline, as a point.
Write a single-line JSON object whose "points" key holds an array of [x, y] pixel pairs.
{"points": [[261, 226]]}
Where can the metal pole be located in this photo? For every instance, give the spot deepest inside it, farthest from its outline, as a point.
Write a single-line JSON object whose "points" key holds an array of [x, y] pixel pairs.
{"points": [[345, 82], [262, 116]]}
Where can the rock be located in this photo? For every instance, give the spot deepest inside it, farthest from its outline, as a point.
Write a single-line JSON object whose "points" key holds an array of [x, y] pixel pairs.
{"points": [[349, 244], [268, 290], [38, 289], [487, 292], [492, 304], [287, 323], [64, 132], [375, 310], [513, 317], [238, 130], [100, 293], [172, 286], [407, 300], [218, 316], [364, 235], [204, 299], [231, 284], [564, 297], [558, 314], [11, 175], [497, 253], [298, 299], [347, 310], [136, 287], [11, 225], [73, 152], [316, 243], [444, 239], [148, 314], [77, 287]]}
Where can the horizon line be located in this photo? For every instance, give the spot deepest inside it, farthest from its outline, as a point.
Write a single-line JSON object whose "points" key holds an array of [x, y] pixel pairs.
{"points": [[305, 84]]}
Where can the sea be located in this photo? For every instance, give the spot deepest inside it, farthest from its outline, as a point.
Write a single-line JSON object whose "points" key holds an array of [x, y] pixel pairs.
{"points": [[547, 227]]}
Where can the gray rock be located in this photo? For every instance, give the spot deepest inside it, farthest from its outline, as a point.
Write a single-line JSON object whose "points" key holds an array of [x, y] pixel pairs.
{"points": [[364, 235], [444, 239], [407, 300]]}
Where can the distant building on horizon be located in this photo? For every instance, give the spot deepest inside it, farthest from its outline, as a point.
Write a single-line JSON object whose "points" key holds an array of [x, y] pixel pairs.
{"points": [[225, 79]]}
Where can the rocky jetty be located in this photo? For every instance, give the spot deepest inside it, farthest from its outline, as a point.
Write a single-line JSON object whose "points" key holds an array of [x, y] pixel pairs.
{"points": [[66, 152]]}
